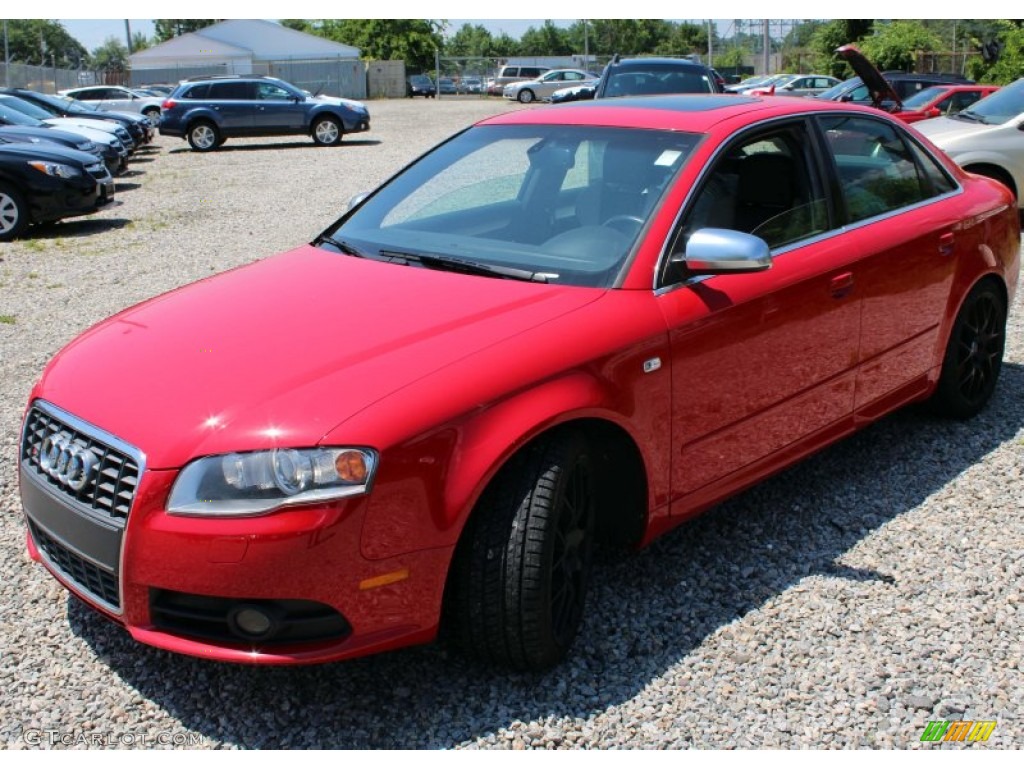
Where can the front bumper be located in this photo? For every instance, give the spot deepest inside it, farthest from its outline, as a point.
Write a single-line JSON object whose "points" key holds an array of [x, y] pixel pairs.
{"points": [[179, 583], [52, 199]]}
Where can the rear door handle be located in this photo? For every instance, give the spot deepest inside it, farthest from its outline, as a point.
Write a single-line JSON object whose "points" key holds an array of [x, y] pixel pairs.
{"points": [[946, 244], [841, 285]]}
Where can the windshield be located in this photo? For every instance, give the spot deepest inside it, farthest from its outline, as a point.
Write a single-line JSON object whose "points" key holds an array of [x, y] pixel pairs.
{"points": [[657, 79], [833, 93], [565, 203], [14, 117], [1002, 106], [921, 98], [26, 108]]}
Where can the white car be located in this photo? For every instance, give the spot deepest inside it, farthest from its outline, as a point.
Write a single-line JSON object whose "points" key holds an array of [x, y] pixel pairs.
{"points": [[526, 91], [987, 138], [113, 98]]}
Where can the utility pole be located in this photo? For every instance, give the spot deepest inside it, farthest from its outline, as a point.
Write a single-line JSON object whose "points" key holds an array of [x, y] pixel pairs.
{"points": [[586, 47], [128, 35], [767, 48], [711, 38], [7, 59]]}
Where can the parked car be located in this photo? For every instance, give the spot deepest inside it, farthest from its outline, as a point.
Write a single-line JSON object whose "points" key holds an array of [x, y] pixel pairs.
{"points": [[209, 110], [471, 85], [14, 134], [513, 74], [544, 86], [797, 85], [114, 98], [114, 153], [764, 88], [585, 91], [986, 138], [747, 83], [942, 100], [139, 127], [883, 90], [446, 85], [624, 313], [420, 85], [45, 182], [651, 76], [157, 89]]}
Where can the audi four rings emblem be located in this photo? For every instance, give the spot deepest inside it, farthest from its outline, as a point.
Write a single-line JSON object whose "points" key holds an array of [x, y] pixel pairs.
{"points": [[66, 462]]}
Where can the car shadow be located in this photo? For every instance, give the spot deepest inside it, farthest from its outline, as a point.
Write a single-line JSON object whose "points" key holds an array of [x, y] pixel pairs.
{"points": [[125, 186], [76, 227], [130, 174], [305, 144], [143, 159], [680, 590]]}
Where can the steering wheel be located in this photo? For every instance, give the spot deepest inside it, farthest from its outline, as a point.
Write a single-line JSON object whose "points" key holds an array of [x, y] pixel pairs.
{"points": [[624, 223]]}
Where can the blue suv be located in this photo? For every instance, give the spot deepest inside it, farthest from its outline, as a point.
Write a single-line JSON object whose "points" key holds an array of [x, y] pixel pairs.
{"points": [[209, 110]]}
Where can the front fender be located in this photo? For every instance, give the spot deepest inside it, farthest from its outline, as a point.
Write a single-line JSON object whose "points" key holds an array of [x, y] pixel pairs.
{"points": [[428, 486]]}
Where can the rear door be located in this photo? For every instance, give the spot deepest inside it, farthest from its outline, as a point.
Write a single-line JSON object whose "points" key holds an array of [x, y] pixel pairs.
{"points": [[235, 104], [902, 209]]}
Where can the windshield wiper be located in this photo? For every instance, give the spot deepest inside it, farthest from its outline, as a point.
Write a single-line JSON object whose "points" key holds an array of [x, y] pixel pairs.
{"points": [[341, 245], [463, 266], [965, 115]]}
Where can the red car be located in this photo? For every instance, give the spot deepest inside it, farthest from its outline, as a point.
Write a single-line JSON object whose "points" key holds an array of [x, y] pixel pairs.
{"points": [[588, 322], [942, 100]]}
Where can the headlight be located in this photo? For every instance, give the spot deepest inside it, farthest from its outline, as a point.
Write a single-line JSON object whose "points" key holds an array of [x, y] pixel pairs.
{"points": [[240, 484], [55, 169]]}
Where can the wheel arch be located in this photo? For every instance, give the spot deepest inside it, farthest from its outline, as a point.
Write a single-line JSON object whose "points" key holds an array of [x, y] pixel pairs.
{"points": [[484, 443], [991, 168]]}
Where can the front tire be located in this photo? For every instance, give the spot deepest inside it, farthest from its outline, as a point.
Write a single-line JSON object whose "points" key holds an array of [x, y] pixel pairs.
{"points": [[974, 354], [526, 96], [13, 213], [203, 136], [327, 132], [519, 579]]}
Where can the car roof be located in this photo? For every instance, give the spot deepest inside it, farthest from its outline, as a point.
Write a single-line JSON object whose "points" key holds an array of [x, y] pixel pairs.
{"points": [[687, 112]]}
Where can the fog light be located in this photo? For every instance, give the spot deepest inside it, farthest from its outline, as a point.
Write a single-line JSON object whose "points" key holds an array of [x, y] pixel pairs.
{"points": [[252, 622]]}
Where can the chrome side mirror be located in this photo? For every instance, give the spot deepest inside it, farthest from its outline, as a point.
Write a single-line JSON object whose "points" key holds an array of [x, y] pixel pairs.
{"points": [[724, 251], [356, 199]]}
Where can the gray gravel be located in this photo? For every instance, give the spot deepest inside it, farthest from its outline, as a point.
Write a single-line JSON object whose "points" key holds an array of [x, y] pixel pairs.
{"points": [[844, 603]]}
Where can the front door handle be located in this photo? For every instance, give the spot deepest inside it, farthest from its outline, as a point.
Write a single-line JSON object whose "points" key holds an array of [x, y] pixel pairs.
{"points": [[841, 285]]}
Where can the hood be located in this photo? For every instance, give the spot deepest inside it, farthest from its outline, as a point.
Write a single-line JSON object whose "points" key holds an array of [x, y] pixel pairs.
{"points": [[70, 123], [281, 351], [47, 134], [951, 129], [879, 88], [53, 153], [106, 138], [358, 106]]}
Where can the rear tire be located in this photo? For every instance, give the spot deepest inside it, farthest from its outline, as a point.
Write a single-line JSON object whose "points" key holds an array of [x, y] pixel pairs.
{"points": [[13, 213], [153, 114], [974, 354], [203, 136], [519, 579]]}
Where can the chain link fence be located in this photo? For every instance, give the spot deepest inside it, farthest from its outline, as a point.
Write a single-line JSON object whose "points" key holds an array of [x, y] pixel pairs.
{"points": [[53, 79]]}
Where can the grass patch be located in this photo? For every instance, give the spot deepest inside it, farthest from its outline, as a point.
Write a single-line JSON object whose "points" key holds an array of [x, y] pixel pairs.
{"points": [[7, 320]]}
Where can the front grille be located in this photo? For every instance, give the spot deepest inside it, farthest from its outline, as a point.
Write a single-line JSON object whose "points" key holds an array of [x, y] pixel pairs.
{"points": [[110, 489], [89, 577]]}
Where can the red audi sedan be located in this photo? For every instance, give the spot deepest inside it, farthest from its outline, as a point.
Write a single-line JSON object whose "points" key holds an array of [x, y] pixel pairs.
{"points": [[561, 326]]}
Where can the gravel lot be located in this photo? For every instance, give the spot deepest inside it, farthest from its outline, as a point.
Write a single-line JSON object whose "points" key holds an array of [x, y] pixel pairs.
{"points": [[845, 603]]}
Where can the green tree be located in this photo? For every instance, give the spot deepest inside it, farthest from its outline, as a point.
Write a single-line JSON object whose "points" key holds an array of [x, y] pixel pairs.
{"points": [[411, 40], [895, 45], [505, 45], [112, 55], [1010, 63], [628, 36], [470, 40], [549, 40], [683, 39], [165, 29], [39, 41], [832, 35], [140, 42]]}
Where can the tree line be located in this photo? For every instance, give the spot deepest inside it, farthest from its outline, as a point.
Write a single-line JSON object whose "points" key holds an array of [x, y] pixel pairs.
{"points": [[807, 46]]}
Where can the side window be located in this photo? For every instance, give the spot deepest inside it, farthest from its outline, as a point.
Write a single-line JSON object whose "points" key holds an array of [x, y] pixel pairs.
{"points": [[878, 171], [197, 92], [96, 94], [271, 92], [764, 185], [232, 91], [962, 100]]}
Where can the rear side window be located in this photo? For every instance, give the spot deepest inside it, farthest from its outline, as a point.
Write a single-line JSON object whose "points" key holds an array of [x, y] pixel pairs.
{"points": [[197, 92], [879, 170], [530, 72], [232, 91]]}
